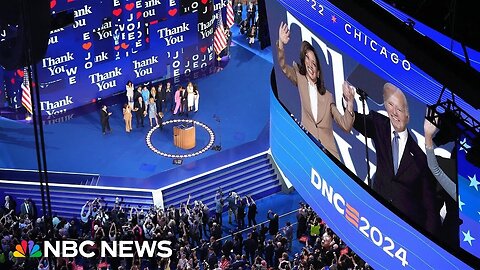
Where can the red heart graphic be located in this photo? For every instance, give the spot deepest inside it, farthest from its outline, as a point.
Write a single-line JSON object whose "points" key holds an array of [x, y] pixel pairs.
{"points": [[139, 14], [129, 6], [69, 1], [86, 46], [12, 80], [117, 12], [117, 47], [53, 3], [153, 22], [172, 12], [124, 45], [20, 72], [147, 39], [203, 49], [204, 1]]}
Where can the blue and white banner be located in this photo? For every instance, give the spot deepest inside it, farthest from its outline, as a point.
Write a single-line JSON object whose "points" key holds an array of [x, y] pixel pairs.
{"points": [[115, 41]]}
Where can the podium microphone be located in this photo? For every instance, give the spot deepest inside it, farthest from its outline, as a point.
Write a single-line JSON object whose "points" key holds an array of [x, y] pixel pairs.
{"points": [[362, 93]]}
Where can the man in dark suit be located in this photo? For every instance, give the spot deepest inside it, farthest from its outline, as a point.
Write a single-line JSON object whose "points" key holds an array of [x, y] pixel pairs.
{"points": [[402, 177], [104, 119], [139, 109], [28, 209], [251, 12], [250, 246], [184, 105], [162, 99]]}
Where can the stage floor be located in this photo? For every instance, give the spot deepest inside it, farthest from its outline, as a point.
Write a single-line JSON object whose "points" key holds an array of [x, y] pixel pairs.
{"points": [[238, 95]]}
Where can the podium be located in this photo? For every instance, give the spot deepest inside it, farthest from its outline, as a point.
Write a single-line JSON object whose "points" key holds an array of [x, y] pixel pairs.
{"points": [[184, 136]]}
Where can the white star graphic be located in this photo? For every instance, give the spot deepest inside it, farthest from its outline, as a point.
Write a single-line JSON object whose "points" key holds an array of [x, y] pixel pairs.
{"points": [[474, 182], [460, 203], [467, 237], [464, 145]]}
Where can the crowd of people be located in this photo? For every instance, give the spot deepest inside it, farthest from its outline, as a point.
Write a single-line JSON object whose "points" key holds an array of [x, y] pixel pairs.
{"points": [[154, 104], [199, 240]]}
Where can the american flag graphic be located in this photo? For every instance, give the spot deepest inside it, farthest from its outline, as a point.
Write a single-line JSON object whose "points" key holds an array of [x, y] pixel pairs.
{"points": [[26, 98], [230, 16], [219, 38], [468, 200]]}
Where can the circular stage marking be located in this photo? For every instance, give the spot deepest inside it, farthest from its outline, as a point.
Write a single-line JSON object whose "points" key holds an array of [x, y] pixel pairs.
{"points": [[180, 121]]}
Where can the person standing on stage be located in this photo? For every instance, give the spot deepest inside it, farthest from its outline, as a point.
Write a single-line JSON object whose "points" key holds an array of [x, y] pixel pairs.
{"points": [[136, 94], [152, 111], [196, 94], [252, 211], [104, 118], [146, 94], [127, 116], [178, 100], [184, 103], [153, 93], [252, 32], [251, 12], [160, 120], [130, 89], [162, 98], [190, 96], [139, 109], [169, 98], [238, 12]]}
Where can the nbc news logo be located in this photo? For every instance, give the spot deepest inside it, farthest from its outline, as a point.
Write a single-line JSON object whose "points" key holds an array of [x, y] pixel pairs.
{"points": [[117, 249], [33, 250]]}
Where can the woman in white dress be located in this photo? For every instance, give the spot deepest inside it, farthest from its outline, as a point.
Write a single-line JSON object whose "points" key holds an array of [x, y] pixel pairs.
{"points": [[190, 96], [196, 95], [130, 89]]}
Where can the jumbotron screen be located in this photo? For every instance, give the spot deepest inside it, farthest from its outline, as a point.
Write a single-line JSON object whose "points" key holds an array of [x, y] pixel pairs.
{"points": [[113, 42], [340, 82]]}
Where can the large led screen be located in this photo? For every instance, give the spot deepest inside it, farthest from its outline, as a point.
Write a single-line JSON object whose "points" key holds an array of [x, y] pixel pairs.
{"points": [[379, 237], [323, 57], [115, 41]]}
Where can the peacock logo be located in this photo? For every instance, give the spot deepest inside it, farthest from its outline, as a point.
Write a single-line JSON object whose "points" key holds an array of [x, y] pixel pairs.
{"points": [[33, 250]]}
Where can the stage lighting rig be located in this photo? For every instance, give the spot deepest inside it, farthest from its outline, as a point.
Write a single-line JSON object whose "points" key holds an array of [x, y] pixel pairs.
{"points": [[453, 122], [473, 154]]}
